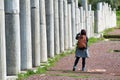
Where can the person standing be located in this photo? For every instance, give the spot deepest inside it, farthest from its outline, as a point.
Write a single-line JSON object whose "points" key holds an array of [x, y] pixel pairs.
{"points": [[81, 52]]}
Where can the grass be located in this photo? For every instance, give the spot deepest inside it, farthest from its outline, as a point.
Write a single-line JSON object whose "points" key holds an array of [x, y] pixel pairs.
{"points": [[43, 68], [94, 40], [118, 18], [72, 75]]}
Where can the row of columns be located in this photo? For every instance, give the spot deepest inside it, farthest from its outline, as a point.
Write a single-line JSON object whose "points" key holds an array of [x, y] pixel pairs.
{"points": [[31, 31], [105, 17]]}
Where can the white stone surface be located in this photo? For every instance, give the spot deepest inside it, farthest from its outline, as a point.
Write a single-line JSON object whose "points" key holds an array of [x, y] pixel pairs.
{"points": [[43, 34], [12, 26], [25, 27], [56, 28], [2, 42], [50, 27], [35, 26]]}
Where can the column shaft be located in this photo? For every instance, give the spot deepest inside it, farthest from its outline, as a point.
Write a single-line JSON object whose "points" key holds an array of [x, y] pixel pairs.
{"points": [[25, 27], [35, 25], [43, 35], [56, 28], [65, 25], [2, 43], [61, 25], [50, 27], [12, 25], [69, 26]]}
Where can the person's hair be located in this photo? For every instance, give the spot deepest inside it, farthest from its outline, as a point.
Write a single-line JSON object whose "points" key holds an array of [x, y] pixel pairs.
{"points": [[83, 32]]}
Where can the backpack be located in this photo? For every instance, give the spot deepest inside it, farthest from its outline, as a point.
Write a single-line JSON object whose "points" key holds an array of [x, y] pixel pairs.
{"points": [[81, 41]]}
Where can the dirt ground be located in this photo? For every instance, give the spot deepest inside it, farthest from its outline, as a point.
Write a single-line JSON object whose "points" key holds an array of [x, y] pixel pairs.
{"points": [[103, 64]]}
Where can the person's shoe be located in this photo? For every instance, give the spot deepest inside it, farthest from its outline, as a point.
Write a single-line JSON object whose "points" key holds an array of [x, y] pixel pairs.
{"points": [[73, 69], [83, 69]]}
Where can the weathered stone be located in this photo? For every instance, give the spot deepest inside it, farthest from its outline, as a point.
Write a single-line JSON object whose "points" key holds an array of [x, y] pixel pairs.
{"points": [[61, 25], [43, 34], [69, 27], [25, 27], [65, 24], [50, 27], [73, 23], [56, 28], [2, 43], [12, 26], [35, 25]]}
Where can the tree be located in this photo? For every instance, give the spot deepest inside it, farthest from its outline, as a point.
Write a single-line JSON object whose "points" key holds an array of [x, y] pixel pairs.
{"points": [[113, 3]]}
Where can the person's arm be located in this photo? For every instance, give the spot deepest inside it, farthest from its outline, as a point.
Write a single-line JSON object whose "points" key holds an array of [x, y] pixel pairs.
{"points": [[77, 36]]}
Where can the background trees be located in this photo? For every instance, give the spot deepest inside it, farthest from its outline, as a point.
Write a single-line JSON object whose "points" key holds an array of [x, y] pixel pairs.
{"points": [[113, 3]]}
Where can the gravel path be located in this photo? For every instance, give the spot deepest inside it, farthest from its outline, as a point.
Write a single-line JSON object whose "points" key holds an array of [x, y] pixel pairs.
{"points": [[103, 64]]}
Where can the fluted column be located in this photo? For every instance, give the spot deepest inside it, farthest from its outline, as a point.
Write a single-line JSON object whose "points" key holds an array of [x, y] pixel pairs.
{"points": [[65, 25], [99, 17], [69, 26], [12, 26], [50, 27], [61, 25], [81, 18], [76, 16], [56, 28], [25, 27], [73, 22], [43, 35], [2, 43], [35, 24], [85, 7]]}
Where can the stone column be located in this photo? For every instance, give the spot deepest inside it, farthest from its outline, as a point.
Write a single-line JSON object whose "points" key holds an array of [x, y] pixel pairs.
{"points": [[65, 25], [76, 16], [56, 28], [25, 27], [89, 21], [81, 17], [61, 25], [73, 22], [2, 42], [69, 26], [50, 27], [43, 35], [99, 18], [78, 13], [35, 25], [12, 26], [85, 7], [93, 23]]}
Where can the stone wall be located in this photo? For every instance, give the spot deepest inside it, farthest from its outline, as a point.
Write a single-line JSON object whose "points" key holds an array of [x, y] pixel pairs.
{"points": [[31, 31]]}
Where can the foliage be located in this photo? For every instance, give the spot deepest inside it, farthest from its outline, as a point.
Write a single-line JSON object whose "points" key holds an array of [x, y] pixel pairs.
{"points": [[105, 32], [113, 3], [93, 40], [118, 18]]}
